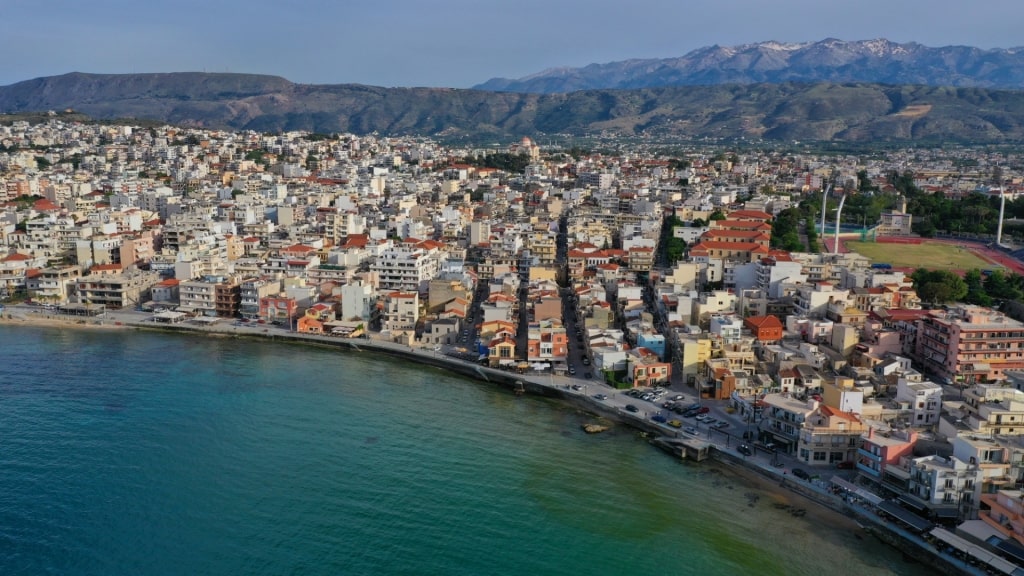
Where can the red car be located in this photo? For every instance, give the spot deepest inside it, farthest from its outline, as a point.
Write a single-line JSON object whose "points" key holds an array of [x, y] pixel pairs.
{"points": [[703, 410]]}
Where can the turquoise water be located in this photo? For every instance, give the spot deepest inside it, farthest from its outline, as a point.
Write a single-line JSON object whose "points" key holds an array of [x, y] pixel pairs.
{"points": [[143, 453]]}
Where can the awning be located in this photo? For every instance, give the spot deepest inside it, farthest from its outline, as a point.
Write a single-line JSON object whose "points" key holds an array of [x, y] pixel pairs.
{"points": [[912, 503], [856, 490], [206, 319], [975, 551], [897, 472], [1012, 550], [947, 513], [903, 515]]}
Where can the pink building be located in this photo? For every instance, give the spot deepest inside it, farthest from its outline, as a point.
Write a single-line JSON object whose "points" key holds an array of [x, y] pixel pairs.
{"points": [[878, 457], [970, 343]]}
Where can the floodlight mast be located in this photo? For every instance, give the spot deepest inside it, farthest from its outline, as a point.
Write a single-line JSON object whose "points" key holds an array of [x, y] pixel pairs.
{"points": [[824, 203], [839, 214]]}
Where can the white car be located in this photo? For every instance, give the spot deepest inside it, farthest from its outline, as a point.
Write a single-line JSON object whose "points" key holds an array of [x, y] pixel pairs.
{"points": [[702, 417]]}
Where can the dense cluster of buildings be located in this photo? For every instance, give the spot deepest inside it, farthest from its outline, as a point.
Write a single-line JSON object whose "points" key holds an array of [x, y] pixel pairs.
{"points": [[828, 358]]}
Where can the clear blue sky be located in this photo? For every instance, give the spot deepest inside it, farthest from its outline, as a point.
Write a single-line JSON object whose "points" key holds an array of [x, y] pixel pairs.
{"points": [[453, 43]]}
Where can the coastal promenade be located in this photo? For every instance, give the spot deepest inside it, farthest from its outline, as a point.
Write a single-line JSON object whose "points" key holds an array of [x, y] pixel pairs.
{"points": [[577, 392]]}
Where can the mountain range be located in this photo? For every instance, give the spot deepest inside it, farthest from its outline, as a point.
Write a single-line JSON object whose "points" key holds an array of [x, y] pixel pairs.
{"points": [[829, 60], [820, 110]]}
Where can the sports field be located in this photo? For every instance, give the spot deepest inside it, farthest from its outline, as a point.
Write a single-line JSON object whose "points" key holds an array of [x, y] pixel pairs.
{"points": [[933, 256]]}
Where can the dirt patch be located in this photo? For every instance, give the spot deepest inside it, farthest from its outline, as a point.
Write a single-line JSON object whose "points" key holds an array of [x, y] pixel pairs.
{"points": [[914, 111]]}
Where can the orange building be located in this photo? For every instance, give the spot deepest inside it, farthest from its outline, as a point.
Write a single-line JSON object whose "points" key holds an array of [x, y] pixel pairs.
{"points": [[765, 328], [546, 341]]}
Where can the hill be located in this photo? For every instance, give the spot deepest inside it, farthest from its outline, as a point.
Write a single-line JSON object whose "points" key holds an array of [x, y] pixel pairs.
{"points": [[870, 61], [847, 112]]}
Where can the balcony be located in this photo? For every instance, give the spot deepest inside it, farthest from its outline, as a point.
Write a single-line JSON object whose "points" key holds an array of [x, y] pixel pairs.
{"points": [[868, 470], [865, 454]]}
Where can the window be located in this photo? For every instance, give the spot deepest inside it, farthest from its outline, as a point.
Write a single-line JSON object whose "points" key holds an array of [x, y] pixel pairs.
{"points": [[819, 456]]}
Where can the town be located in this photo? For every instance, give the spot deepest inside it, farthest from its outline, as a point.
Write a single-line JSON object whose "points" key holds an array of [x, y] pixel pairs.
{"points": [[629, 268]]}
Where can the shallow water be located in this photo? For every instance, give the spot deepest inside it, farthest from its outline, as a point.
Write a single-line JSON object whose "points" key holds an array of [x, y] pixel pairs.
{"points": [[131, 452]]}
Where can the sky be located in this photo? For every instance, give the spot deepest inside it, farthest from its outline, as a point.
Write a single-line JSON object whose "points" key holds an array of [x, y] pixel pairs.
{"points": [[450, 43]]}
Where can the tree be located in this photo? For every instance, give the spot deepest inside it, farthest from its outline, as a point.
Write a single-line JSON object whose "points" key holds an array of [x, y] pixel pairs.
{"points": [[975, 290], [717, 215], [674, 249], [939, 286], [999, 287]]}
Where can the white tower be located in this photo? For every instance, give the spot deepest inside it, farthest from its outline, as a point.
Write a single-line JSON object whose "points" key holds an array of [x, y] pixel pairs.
{"points": [[839, 214], [1002, 210]]}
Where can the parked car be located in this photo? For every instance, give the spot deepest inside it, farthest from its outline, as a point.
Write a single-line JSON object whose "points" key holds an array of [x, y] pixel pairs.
{"points": [[601, 396], [675, 423], [703, 410], [846, 465], [659, 418], [801, 474], [690, 430], [745, 449], [631, 408], [720, 425]]}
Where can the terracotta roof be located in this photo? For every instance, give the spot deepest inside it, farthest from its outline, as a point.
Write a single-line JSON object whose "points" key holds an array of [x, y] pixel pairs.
{"points": [[299, 249], [721, 245], [769, 321], [356, 241], [740, 225], [749, 214], [830, 411]]}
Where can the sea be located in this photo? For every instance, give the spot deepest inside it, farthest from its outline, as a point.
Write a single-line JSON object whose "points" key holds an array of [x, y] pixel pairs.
{"points": [[146, 453]]}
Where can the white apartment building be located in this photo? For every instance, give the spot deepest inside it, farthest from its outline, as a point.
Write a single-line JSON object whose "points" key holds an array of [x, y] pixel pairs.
{"points": [[945, 486], [357, 299], [406, 269], [923, 399], [813, 300], [198, 296], [401, 310], [727, 326]]}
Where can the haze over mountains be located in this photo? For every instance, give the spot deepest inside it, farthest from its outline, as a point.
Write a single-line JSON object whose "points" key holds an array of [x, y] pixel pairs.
{"points": [[830, 60], [817, 108]]}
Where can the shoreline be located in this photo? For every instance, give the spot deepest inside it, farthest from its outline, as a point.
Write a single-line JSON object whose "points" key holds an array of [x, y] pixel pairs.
{"points": [[782, 488]]}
